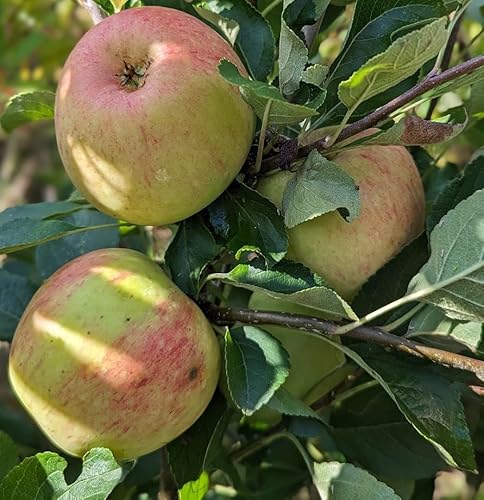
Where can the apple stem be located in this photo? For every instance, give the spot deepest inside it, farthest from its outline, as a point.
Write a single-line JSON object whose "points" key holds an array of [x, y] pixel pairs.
{"points": [[319, 327], [93, 9]]}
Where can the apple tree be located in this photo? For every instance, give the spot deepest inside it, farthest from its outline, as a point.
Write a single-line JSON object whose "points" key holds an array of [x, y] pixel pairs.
{"points": [[263, 275]]}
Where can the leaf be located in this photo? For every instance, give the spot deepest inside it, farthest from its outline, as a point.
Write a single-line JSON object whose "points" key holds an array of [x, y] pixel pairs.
{"points": [[15, 293], [411, 456], [378, 29], [195, 490], [453, 277], [304, 422], [39, 211], [41, 477], [256, 365], [401, 60], [8, 454], [432, 326], [255, 40], [258, 95], [458, 190], [319, 186], [289, 281], [241, 217], [429, 402], [300, 13], [337, 481], [293, 56], [315, 74], [376, 293], [197, 448], [192, 248], [410, 131], [52, 255], [24, 233], [367, 11], [26, 108]]}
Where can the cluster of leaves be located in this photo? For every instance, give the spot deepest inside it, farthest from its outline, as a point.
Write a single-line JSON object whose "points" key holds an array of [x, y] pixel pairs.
{"points": [[404, 419]]}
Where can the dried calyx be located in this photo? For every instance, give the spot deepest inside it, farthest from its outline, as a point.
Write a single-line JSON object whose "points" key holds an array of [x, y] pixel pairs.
{"points": [[133, 76]]}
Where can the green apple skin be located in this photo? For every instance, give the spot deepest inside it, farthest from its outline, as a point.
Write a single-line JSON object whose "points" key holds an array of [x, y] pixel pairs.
{"points": [[314, 363], [392, 214], [158, 151], [111, 353]]}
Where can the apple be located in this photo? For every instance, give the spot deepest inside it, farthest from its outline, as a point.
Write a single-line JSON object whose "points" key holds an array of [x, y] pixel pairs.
{"points": [[315, 364], [392, 214], [109, 352], [147, 129]]}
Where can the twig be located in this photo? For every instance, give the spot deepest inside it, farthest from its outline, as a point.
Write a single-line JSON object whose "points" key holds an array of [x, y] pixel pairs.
{"points": [[168, 486], [445, 62], [432, 81], [318, 327], [94, 10]]}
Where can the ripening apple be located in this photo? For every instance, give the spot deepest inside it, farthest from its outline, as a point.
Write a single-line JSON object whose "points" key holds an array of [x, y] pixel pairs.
{"points": [[392, 214], [147, 129], [109, 352]]}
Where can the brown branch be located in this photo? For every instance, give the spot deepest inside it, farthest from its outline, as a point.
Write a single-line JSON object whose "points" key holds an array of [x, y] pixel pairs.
{"points": [[168, 486], [223, 316], [430, 82], [94, 10]]}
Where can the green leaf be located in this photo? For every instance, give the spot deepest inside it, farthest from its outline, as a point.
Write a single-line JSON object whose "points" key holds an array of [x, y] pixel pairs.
{"points": [[41, 477], [337, 481], [255, 40], [258, 94], [39, 211], [15, 293], [376, 293], [52, 255], [289, 281], [304, 421], [401, 60], [195, 490], [315, 74], [24, 233], [453, 277], [256, 365], [27, 108], [373, 30], [197, 449], [188, 254], [293, 56], [432, 326], [241, 217], [367, 11], [458, 190], [299, 13], [319, 186], [8, 454], [427, 399]]}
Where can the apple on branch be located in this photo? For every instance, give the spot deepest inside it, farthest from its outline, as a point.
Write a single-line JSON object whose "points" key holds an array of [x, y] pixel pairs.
{"points": [[147, 129], [109, 352]]}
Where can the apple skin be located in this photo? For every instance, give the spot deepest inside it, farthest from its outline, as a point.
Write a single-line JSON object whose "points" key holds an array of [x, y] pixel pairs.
{"points": [[392, 214], [314, 363], [111, 353], [157, 153]]}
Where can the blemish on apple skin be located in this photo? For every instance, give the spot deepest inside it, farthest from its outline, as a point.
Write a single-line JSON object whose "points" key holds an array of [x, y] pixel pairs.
{"points": [[192, 374]]}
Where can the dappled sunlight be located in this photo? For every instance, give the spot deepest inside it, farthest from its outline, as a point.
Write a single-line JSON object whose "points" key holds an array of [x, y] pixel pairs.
{"points": [[88, 351]]}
